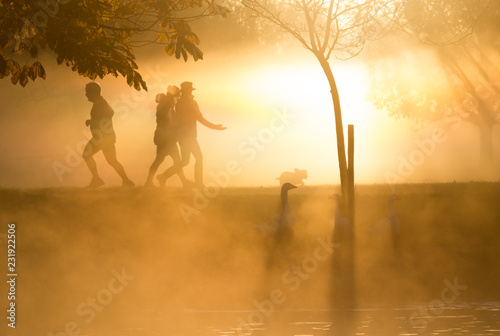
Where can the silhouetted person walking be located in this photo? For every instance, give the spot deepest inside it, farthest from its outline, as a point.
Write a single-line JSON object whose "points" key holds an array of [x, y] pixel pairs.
{"points": [[103, 137], [188, 114], [165, 138]]}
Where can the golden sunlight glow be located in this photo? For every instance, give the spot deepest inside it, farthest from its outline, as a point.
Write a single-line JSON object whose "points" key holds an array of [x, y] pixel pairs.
{"points": [[245, 96], [304, 85], [300, 87]]}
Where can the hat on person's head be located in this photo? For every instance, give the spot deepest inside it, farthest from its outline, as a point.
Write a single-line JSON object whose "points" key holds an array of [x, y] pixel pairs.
{"points": [[187, 86], [173, 90]]}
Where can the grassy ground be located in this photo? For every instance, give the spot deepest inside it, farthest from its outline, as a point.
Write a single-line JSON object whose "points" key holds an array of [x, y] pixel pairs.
{"points": [[70, 241]]}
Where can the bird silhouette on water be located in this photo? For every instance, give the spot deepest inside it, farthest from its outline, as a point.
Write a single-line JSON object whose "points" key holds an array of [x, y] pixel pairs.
{"points": [[279, 232], [279, 227]]}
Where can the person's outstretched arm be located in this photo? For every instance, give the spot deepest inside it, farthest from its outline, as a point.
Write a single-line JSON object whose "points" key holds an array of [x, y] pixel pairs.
{"points": [[207, 123]]}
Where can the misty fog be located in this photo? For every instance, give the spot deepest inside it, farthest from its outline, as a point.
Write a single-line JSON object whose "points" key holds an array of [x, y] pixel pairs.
{"points": [[408, 246]]}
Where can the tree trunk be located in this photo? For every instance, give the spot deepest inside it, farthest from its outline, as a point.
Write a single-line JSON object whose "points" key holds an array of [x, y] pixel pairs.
{"points": [[339, 129], [343, 286]]}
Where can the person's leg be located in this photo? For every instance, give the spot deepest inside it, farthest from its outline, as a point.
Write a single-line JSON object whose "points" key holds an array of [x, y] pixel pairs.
{"points": [[160, 157], [176, 157], [162, 178], [176, 166], [198, 164], [88, 155], [185, 146], [110, 155]]}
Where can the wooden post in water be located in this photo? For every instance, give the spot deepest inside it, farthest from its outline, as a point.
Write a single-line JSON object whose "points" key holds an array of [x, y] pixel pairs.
{"points": [[350, 203], [350, 173]]}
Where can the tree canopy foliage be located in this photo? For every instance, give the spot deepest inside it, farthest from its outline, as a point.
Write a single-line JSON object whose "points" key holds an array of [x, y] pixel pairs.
{"points": [[442, 22], [460, 37], [96, 37], [452, 75], [337, 28]]}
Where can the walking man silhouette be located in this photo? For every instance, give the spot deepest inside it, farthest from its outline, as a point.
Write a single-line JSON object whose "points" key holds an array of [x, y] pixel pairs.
{"points": [[103, 137], [188, 114]]}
